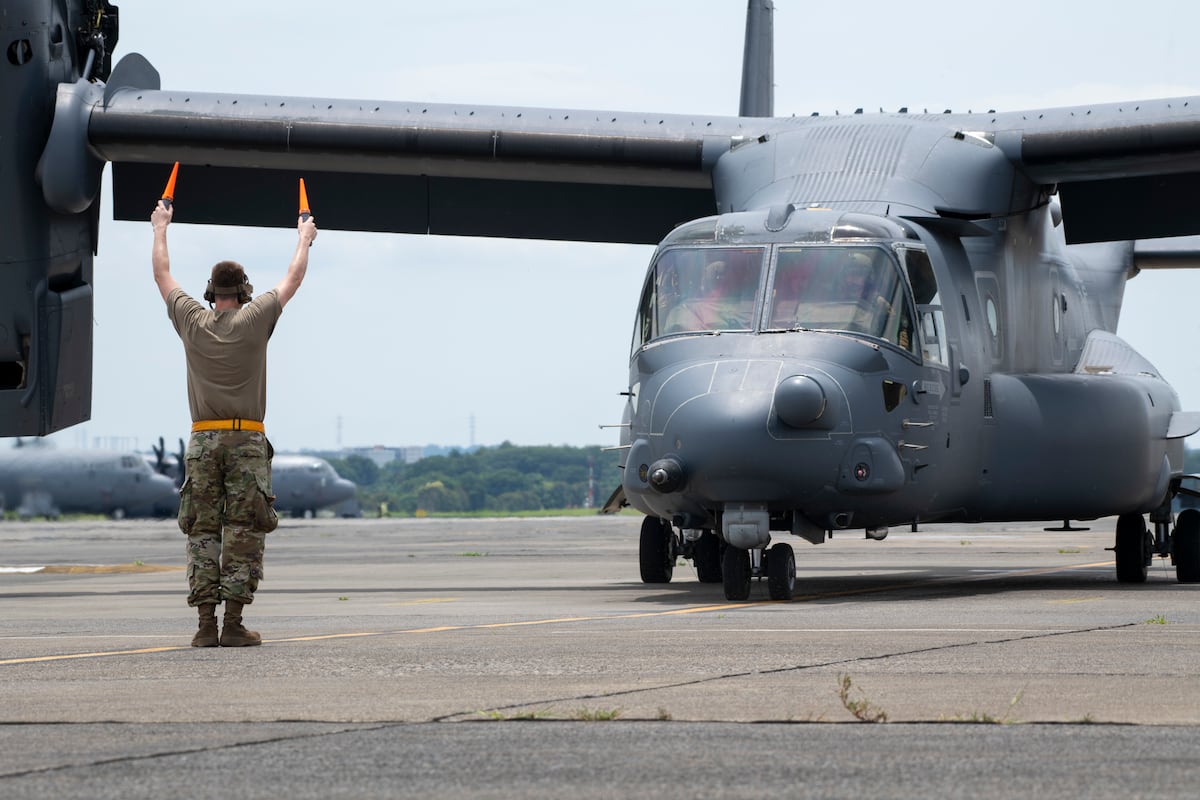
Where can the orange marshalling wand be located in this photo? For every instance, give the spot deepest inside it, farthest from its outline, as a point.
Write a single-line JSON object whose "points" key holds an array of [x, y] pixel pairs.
{"points": [[305, 213], [304, 209], [168, 194]]}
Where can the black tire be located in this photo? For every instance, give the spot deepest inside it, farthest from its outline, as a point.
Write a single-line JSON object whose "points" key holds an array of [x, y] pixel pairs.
{"points": [[1131, 549], [781, 572], [1185, 546], [735, 573], [707, 558], [656, 551]]}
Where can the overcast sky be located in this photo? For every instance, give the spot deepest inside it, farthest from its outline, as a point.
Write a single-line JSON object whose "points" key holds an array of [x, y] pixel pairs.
{"points": [[404, 340]]}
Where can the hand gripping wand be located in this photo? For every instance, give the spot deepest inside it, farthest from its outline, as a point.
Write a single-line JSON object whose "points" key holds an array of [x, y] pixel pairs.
{"points": [[168, 195]]}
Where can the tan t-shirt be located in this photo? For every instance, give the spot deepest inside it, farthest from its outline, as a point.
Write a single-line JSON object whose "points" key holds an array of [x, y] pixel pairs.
{"points": [[226, 354]]}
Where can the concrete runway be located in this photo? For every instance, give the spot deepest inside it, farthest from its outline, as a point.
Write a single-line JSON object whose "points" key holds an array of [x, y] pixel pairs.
{"points": [[382, 637]]}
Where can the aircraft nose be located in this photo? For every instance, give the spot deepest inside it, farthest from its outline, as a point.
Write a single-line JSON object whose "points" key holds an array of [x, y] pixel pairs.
{"points": [[771, 431], [722, 444]]}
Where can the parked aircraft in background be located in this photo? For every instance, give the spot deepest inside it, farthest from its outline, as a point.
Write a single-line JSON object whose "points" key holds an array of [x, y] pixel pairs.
{"points": [[303, 484], [306, 484], [39, 480]]}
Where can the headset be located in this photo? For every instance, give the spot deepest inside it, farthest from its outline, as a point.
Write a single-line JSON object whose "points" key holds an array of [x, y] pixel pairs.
{"points": [[244, 291]]}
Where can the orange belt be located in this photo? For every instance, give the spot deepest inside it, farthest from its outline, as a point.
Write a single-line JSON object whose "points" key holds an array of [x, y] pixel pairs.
{"points": [[228, 425]]}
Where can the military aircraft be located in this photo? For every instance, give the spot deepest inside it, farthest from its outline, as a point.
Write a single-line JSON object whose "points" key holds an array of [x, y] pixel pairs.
{"points": [[37, 479], [851, 322], [303, 484]]}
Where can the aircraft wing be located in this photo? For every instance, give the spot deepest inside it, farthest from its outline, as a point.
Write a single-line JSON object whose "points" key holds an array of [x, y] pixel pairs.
{"points": [[406, 166], [1123, 170]]}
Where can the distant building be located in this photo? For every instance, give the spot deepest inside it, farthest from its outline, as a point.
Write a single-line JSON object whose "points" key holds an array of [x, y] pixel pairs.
{"points": [[385, 455]]}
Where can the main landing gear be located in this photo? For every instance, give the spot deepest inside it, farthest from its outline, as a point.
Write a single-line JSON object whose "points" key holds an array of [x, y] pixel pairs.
{"points": [[1136, 546], [715, 561]]}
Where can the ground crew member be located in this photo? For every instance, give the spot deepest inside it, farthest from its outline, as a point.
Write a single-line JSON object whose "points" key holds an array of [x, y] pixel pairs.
{"points": [[225, 501]]}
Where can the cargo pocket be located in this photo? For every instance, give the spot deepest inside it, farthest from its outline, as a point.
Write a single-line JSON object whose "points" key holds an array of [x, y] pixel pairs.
{"points": [[187, 508], [265, 518]]}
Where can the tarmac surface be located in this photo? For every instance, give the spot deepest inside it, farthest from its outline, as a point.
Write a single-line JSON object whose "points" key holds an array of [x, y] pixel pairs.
{"points": [[525, 658]]}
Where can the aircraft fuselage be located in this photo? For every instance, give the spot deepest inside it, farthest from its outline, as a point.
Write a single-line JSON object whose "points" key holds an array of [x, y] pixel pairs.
{"points": [[975, 381]]}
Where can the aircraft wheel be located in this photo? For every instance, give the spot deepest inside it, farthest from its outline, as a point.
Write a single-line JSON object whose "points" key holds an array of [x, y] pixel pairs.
{"points": [[781, 572], [1185, 546], [735, 572], [656, 551], [1133, 552], [707, 558]]}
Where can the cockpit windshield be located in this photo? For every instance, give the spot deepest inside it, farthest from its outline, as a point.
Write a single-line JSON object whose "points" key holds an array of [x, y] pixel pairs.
{"points": [[701, 289], [855, 289]]}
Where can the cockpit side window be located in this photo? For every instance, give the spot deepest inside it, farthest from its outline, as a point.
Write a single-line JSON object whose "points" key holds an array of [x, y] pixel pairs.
{"points": [[693, 290], [857, 289], [932, 322]]}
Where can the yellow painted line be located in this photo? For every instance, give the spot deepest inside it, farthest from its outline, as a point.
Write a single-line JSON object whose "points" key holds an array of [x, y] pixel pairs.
{"points": [[105, 569], [1078, 599], [560, 620], [95, 655]]}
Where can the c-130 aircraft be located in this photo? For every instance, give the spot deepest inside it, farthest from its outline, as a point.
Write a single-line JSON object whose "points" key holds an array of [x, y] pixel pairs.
{"points": [[873, 320]]}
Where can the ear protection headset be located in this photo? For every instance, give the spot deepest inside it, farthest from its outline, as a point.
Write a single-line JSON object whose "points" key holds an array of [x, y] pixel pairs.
{"points": [[244, 290]]}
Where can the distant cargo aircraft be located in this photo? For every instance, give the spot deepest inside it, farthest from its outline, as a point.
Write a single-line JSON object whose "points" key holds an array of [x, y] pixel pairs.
{"points": [[38, 480], [303, 484]]}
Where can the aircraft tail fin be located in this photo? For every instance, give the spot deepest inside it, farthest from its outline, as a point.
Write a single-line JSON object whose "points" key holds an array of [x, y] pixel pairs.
{"points": [[758, 61]]}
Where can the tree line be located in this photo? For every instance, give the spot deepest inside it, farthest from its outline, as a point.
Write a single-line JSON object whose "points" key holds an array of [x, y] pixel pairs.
{"points": [[502, 478]]}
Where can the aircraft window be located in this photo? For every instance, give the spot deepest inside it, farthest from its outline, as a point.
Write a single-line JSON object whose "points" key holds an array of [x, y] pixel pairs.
{"points": [[934, 348], [700, 289], [855, 289], [129, 462]]}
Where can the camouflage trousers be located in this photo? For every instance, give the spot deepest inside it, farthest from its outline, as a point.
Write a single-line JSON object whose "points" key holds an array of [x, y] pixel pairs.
{"points": [[225, 510]]}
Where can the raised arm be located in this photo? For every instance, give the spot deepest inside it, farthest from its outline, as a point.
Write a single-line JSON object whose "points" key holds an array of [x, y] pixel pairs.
{"points": [[306, 227], [159, 257]]}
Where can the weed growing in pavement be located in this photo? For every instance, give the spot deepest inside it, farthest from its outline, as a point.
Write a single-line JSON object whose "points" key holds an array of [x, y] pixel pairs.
{"points": [[862, 710]]}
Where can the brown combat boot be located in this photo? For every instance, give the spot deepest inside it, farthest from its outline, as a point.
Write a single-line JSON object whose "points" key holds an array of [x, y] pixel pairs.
{"points": [[206, 636], [233, 634]]}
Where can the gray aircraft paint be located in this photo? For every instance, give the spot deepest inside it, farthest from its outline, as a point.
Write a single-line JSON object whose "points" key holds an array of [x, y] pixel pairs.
{"points": [[1016, 402], [303, 484], [37, 480]]}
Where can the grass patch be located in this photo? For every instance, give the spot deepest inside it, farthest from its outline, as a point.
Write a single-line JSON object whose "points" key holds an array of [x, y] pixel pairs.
{"points": [[500, 716], [595, 714], [984, 718], [1157, 619]]}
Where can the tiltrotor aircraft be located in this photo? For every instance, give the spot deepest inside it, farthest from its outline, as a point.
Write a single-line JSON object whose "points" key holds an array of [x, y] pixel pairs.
{"points": [[870, 320]]}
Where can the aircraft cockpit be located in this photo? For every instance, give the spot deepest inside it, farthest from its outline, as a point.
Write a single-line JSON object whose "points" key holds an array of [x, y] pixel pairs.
{"points": [[884, 291]]}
